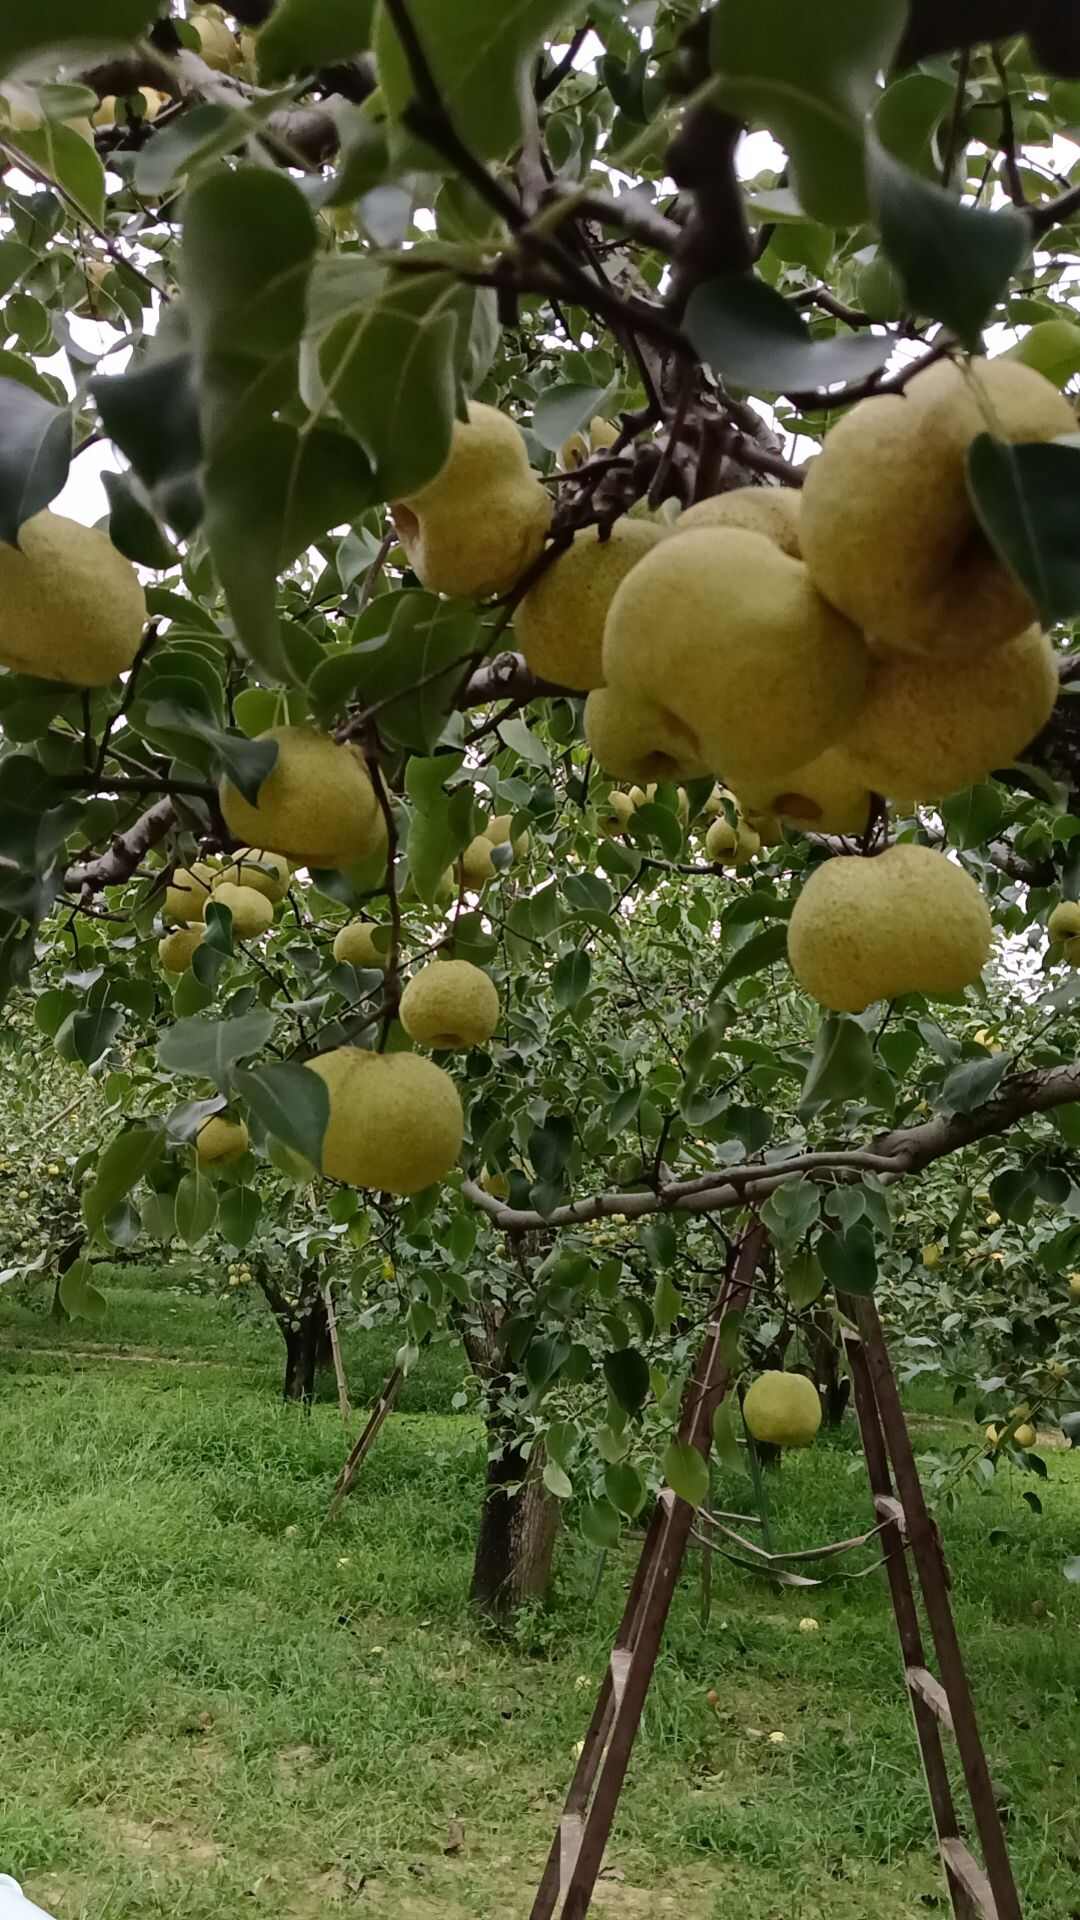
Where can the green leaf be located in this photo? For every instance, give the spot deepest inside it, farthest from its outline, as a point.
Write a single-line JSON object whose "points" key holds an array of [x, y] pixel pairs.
{"points": [[762, 951], [803, 1279], [564, 408], [840, 1065], [152, 416], [1027, 498], [809, 75], [659, 1240], [134, 528], [747, 333], [389, 371], [955, 261], [687, 1472], [725, 1443], [80, 1299], [668, 1303], [209, 1049], [570, 978], [522, 741], [195, 1208], [477, 56], [35, 454], [69, 28], [625, 1488], [292, 1103], [302, 35], [600, 1524], [122, 1165], [269, 496], [849, 1260], [627, 1374], [557, 1480], [792, 1210], [94, 1031], [246, 762], [971, 1084], [15, 261], [70, 161], [412, 675], [975, 815]]}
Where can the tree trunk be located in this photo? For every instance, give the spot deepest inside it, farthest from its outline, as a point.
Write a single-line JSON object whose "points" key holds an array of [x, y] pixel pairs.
{"points": [[833, 1384], [519, 1521], [305, 1329]]}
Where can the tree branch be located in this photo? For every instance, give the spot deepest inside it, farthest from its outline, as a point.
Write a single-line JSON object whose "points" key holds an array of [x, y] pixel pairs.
{"points": [[125, 854]]}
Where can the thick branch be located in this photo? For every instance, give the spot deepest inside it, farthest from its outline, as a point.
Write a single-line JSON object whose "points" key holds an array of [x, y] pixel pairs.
{"points": [[1020, 1096], [509, 677], [125, 854]]}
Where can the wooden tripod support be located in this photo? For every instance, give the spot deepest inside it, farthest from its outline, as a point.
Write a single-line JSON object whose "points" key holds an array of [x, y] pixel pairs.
{"points": [[977, 1893]]}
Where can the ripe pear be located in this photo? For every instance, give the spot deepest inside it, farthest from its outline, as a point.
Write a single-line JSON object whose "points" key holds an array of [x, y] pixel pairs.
{"points": [[888, 529], [71, 607], [188, 891], [633, 738], [476, 864], [906, 921], [782, 1410], [928, 728], [602, 433], [559, 625], [176, 949], [1052, 347], [498, 832], [396, 1123], [220, 1140], [266, 873], [1074, 1286], [1064, 922], [642, 795], [617, 810], [728, 637], [356, 945], [450, 1004], [252, 913], [216, 43], [1070, 952], [825, 796], [474, 528], [1025, 1435], [773, 511], [573, 453], [317, 804], [731, 846], [497, 1184]]}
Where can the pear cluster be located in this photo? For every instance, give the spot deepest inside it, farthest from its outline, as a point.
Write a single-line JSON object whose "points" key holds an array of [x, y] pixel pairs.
{"points": [[250, 883]]}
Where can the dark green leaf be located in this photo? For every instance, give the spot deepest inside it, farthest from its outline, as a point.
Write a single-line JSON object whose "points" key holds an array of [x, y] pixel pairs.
{"points": [[79, 1297], [562, 409], [570, 978], [975, 815], [667, 1303], [122, 1165], [94, 1031], [209, 1049], [69, 27], [134, 528], [840, 1065], [686, 1470], [389, 370], [725, 1443], [35, 454], [792, 1210], [195, 1208], [971, 1084], [747, 333], [803, 1279], [557, 1480], [600, 1524], [762, 951], [64, 156], [849, 1260], [153, 418], [303, 35], [627, 1374], [1027, 498], [246, 762], [659, 1240], [292, 1103], [625, 1488], [955, 261]]}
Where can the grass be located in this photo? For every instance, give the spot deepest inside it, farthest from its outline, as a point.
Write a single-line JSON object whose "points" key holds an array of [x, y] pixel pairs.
{"points": [[209, 1706]]}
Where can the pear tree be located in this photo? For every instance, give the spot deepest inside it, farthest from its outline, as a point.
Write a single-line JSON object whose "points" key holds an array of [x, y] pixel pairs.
{"points": [[560, 742]]}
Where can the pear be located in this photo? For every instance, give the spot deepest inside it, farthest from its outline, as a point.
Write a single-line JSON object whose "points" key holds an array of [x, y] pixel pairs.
{"points": [[906, 921], [731, 846], [888, 529], [356, 944], [252, 913], [633, 738], [825, 796], [497, 832], [573, 453], [782, 1409], [267, 873], [929, 728], [1052, 347], [1064, 922], [450, 1004], [602, 433], [220, 1140], [317, 803], [728, 638], [559, 625], [474, 528], [71, 607], [396, 1123], [188, 891], [773, 511], [176, 949], [216, 43], [476, 864]]}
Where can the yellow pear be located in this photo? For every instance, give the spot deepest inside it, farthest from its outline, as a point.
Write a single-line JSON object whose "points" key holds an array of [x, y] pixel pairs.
{"points": [[559, 625], [929, 728], [450, 1004], [906, 921], [476, 864], [267, 873], [252, 913], [782, 1410], [731, 846], [642, 795], [176, 949], [633, 738], [220, 1140], [1025, 1435], [825, 796], [71, 607], [498, 832], [614, 814], [1070, 952], [396, 1123], [773, 511], [573, 453], [317, 804], [1052, 347], [728, 637], [1064, 922], [216, 43], [497, 1184], [356, 945], [602, 433], [888, 529], [931, 1254], [188, 891], [474, 528]]}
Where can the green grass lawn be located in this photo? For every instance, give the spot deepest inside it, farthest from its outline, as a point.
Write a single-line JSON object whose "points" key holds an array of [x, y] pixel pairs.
{"points": [[209, 1706]]}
